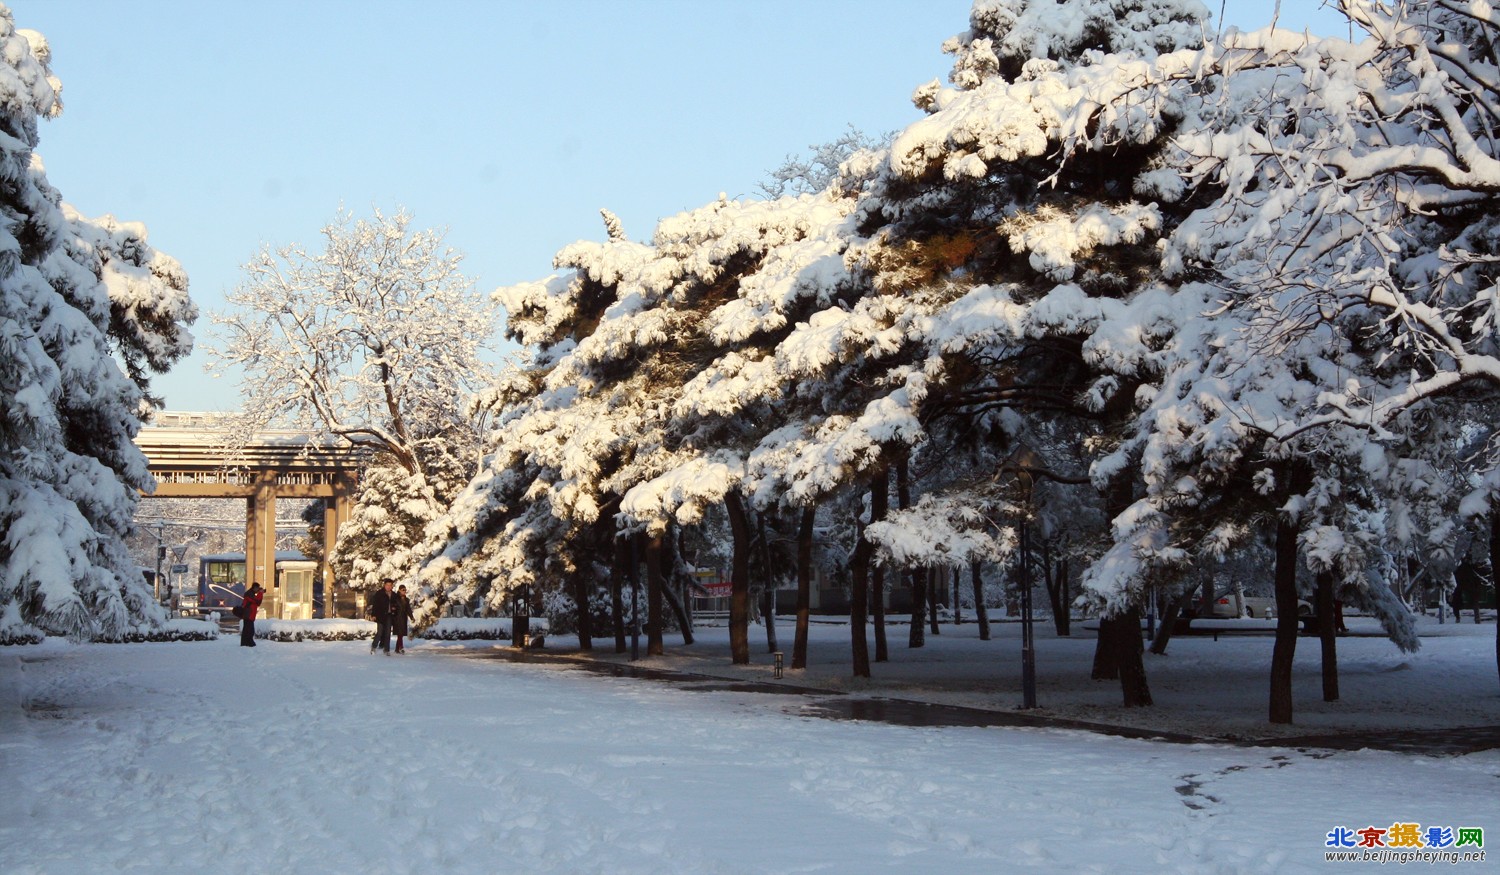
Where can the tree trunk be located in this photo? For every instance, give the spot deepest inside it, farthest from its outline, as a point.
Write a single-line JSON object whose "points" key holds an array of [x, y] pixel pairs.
{"points": [[1127, 642], [1065, 586], [932, 604], [674, 602], [1118, 652], [859, 600], [768, 590], [859, 568], [1285, 648], [916, 577], [616, 590], [880, 500], [958, 581], [768, 609], [917, 634], [1057, 597], [1106, 666], [739, 580], [673, 561], [804, 586], [1169, 620], [877, 612], [655, 646], [1328, 635], [581, 593], [979, 607]]}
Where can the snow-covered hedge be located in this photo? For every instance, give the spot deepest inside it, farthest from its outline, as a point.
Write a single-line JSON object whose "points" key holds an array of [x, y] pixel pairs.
{"points": [[21, 633], [173, 630], [314, 630], [481, 629], [446, 629]]}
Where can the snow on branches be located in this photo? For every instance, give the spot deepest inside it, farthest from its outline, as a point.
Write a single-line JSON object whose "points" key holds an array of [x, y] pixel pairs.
{"points": [[77, 298], [1201, 267]]}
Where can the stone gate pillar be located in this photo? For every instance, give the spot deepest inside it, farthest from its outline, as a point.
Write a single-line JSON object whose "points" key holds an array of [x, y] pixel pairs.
{"points": [[336, 509], [260, 541]]}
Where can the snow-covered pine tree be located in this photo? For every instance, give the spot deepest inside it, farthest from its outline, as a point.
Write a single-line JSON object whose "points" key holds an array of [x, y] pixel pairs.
{"points": [[77, 296]]}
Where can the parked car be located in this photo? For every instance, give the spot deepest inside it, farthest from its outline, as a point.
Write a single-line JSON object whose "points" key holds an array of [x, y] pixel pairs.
{"points": [[1238, 605], [1234, 605]]}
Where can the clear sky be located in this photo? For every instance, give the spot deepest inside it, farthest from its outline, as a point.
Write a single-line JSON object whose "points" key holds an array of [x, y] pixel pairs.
{"points": [[224, 126]]}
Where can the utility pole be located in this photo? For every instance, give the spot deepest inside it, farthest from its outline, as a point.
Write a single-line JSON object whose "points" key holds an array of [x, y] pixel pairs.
{"points": [[161, 554]]}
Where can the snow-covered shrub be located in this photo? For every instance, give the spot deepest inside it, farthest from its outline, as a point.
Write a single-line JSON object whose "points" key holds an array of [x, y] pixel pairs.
{"points": [[171, 630], [314, 630], [482, 629]]}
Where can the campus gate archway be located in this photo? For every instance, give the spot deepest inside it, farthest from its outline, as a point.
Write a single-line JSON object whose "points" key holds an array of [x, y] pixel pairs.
{"points": [[189, 458]]}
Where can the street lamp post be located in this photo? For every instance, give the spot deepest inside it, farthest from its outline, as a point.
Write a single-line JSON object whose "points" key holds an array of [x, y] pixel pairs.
{"points": [[1028, 634]]}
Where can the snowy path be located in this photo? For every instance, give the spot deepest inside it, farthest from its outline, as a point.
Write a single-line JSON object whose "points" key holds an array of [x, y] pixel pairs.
{"points": [[318, 757]]}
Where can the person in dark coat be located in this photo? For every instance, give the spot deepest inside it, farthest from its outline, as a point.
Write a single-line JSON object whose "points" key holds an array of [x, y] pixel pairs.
{"points": [[382, 604], [251, 604], [401, 616]]}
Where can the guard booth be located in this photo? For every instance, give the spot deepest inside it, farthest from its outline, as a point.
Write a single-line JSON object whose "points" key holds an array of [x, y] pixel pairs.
{"points": [[300, 590]]}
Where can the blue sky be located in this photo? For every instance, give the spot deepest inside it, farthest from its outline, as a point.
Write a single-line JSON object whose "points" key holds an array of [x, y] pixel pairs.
{"points": [[228, 125]]}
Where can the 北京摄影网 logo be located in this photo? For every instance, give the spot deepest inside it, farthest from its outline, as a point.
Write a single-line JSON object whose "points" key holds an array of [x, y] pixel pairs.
{"points": [[1403, 842]]}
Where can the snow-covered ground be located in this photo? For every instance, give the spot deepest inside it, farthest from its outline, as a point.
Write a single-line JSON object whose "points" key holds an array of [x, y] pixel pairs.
{"points": [[1203, 685], [319, 757]]}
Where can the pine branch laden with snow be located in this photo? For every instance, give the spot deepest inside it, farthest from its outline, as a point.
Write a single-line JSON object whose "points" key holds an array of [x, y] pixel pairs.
{"points": [[940, 532], [1004, 36], [630, 375], [77, 297], [149, 304]]}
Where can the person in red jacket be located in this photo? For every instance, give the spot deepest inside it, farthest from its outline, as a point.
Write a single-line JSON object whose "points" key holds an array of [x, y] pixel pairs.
{"points": [[251, 604]]}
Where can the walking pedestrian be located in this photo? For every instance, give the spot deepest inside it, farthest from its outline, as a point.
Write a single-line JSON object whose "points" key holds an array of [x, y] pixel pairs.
{"points": [[251, 604], [400, 616], [381, 606]]}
